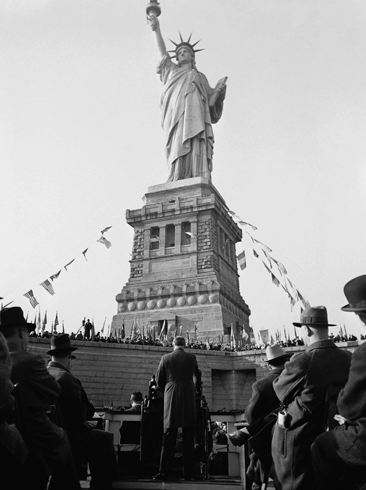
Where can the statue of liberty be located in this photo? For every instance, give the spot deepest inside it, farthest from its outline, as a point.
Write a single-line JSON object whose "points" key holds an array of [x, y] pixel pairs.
{"points": [[189, 108]]}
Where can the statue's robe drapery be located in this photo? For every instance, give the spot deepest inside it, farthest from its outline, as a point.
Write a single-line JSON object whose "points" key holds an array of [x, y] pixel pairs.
{"points": [[187, 120]]}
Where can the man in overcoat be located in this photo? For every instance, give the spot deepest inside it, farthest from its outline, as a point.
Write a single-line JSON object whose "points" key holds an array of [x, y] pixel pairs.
{"points": [[260, 416], [36, 391], [307, 389], [175, 377], [75, 411], [339, 456]]}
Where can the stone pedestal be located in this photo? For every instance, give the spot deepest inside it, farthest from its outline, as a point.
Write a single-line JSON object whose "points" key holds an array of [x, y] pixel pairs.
{"points": [[183, 276]]}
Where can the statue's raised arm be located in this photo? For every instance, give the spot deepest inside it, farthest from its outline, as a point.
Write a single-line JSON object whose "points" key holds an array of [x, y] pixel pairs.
{"points": [[155, 26], [189, 107]]}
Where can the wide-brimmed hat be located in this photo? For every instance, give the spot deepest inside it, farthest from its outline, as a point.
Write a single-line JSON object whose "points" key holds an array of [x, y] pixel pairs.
{"points": [[355, 292], [314, 316], [14, 317], [60, 344], [275, 352]]}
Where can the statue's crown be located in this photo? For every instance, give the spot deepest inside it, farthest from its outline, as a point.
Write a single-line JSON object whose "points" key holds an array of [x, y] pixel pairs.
{"points": [[182, 44]]}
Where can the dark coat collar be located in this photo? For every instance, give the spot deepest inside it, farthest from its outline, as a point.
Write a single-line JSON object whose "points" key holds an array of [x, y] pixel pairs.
{"points": [[321, 344], [58, 365]]}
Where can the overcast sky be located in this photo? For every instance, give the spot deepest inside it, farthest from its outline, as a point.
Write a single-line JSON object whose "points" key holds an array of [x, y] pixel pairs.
{"points": [[80, 142]]}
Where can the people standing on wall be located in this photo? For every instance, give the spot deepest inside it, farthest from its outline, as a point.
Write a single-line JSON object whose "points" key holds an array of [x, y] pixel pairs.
{"points": [[178, 377]]}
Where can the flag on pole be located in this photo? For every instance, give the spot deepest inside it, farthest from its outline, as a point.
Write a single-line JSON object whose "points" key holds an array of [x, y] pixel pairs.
{"points": [[69, 263], [264, 336], [56, 323], [84, 253], [63, 327], [48, 287], [123, 333], [105, 229], [39, 321], [242, 260], [162, 329], [105, 242], [55, 276], [44, 323], [132, 334], [29, 295], [102, 331]]}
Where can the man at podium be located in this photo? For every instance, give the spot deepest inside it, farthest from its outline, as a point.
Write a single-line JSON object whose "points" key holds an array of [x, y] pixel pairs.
{"points": [[178, 377]]}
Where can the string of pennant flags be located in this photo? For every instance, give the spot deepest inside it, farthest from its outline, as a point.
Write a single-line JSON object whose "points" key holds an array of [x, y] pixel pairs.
{"points": [[47, 284], [276, 270]]}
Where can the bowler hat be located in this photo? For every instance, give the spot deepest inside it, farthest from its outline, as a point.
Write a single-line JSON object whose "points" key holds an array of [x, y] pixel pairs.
{"points": [[275, 352], [314, 316], [60, 344], [14, 317], [355, 292]]}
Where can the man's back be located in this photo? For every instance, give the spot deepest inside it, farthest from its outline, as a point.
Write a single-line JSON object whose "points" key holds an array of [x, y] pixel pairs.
{"points": [[175, 377], [307, 387], [73, 402]]}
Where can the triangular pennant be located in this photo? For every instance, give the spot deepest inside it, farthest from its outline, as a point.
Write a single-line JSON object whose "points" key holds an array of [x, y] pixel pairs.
{"points": [[69, 263], [48, 286], [263, 245], [55, 276], [105, 229], [29, 295], [242, 260], [105, 242], [84, 253], [245, 223]]}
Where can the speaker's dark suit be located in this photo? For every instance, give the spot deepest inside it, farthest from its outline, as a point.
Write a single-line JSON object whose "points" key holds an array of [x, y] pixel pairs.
{"points": [[175, 378]]}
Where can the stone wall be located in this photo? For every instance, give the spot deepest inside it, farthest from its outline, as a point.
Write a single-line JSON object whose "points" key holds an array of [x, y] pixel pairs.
{"points": [[111, 372]]}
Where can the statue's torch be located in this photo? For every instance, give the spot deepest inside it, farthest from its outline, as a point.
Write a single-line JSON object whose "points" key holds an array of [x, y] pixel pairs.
{"points": [[153, 8]]}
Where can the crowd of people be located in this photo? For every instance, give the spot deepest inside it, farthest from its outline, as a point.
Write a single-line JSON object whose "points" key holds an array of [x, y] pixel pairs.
{"points": [[191, 343], [47, 436], [305, 423]]}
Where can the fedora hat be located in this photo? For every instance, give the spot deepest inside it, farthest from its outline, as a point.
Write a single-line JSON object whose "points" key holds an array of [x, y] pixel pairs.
{"points": [[314, 316], [275, 352], [355, 292], [60, 344], [14, 317]]}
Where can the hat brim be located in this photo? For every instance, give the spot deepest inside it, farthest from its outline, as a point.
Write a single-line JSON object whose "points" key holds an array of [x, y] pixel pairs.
{"points": [[59, 351], [354, 309], [285, 356], [29, 326], [298, 324]]}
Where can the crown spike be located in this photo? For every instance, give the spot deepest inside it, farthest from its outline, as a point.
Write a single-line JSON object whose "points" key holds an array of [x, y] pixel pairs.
{"points": [[195, 44], [175, 44], [180, 35], [196, 50], [189, 38]]}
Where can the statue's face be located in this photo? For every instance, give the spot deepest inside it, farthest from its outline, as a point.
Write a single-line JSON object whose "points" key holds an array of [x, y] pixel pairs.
{"points": [[184, 55]]}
